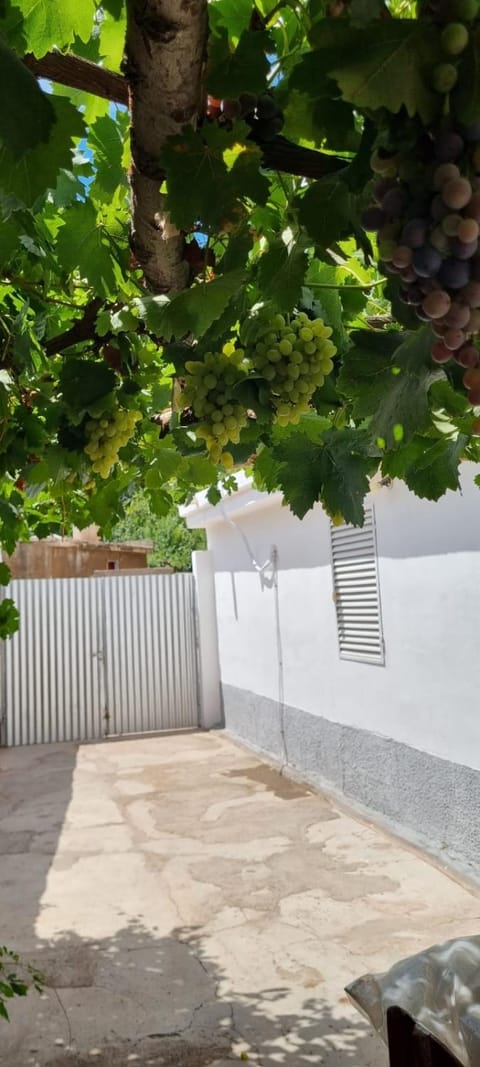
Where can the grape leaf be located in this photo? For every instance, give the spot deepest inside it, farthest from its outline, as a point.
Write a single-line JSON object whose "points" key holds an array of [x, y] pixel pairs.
{"points": [[196, 162], [105, 504], [266, 471], [29, 116], [321, 281], [244, 70], [114, 7], [214, 495], [234, 17], [38, 169], [221, 327], [352, 300], [281, 272], [429, 467], [192, 311], [443, 396], [8, 239], [346, 466], [366, 370], [334, 472], [311, 121], [68, 188], [392, 388], [195, 166], [82, 244], [107, 145], [5, 574], [391, 68], [45, 24], [160, 502], [112, 39], [310, 75], [325, 210], [335, 120], [312, 426], [85, 381], [9, 624], [165, 465], [10, 525], [236, 253], [198, 470], [364, 11], [299, 124], [246, 178]]}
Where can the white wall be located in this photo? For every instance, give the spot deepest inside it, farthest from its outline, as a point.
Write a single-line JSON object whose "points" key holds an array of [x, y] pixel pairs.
{"points": [[428, 693], [207, 640]]}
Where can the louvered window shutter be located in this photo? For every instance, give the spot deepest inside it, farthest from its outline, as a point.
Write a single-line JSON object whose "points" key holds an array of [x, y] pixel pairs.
{"points": [[356, 591]]}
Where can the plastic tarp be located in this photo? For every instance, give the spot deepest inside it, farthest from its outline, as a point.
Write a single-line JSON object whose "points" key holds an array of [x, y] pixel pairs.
{"points": [[439, 988]]}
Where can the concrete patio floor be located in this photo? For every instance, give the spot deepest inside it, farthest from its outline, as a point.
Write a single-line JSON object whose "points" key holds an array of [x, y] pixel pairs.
{"points": [[188, 904]]}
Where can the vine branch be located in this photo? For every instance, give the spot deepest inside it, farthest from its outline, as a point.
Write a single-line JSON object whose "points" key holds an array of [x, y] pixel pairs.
{"points": [[80, 74], [82, 330], [283, 155]]}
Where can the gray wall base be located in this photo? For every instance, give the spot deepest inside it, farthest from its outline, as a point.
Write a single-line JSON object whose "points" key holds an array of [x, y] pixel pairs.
{"points": [[429, 801]]}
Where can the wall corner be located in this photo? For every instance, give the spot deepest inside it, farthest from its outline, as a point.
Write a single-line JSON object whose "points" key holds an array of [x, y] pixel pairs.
{"points": [[207, 640]]}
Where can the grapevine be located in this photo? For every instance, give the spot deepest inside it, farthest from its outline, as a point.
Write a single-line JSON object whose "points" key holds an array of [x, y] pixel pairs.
{"points": [[107, 434], [294, 355], [246, 202]]}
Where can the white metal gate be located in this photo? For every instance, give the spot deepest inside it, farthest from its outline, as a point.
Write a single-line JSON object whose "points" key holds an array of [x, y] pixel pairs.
{"points": [[100, 656]]}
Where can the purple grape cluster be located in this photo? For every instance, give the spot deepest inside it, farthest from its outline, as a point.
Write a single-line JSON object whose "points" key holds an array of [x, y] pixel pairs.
{"points": [[428, 226], [262, 113]]}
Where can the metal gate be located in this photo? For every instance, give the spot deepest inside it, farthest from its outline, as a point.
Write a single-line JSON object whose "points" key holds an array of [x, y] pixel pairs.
{"points": [[95, 657]]}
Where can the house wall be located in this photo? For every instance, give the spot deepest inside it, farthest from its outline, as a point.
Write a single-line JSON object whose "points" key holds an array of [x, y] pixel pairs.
{"points": [[402, 740]]}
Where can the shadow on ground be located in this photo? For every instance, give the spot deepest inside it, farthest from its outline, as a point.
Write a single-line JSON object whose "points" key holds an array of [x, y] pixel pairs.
{"points": [[133, 998]]}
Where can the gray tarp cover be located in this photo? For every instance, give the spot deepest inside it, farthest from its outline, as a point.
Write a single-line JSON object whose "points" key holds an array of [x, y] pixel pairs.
{"points": [[439, 988]]}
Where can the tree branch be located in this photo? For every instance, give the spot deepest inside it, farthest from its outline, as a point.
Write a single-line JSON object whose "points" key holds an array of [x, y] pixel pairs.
{"points": [[79, 74]]}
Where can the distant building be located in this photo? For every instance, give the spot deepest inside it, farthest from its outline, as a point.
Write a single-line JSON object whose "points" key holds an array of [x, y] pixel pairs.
{"points": [[79, 556]]}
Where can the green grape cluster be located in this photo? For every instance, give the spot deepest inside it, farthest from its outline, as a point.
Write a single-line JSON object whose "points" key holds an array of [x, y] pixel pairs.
{"points": [[294, 355], [107, 434], [209, 391]]}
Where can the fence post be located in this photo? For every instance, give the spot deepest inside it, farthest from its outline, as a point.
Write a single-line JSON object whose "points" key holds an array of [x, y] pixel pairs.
{"points": [[207, 640]]}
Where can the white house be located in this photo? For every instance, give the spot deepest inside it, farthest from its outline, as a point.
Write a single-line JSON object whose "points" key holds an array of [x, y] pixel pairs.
{"points": [[353, 656]]}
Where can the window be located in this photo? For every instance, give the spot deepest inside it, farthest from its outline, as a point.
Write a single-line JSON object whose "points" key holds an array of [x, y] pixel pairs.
{"points": [[356, 591]]}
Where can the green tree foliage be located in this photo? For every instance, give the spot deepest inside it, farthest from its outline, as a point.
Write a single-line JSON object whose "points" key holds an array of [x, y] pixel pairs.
{"points": [[173, 543], [291, 192]]}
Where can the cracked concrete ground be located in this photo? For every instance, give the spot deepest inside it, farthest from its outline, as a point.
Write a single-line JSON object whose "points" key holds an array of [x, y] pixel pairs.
{"points": [[187, 904]]}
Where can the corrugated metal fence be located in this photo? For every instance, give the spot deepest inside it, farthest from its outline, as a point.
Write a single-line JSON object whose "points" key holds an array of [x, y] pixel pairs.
{"points": [[100, 656]]}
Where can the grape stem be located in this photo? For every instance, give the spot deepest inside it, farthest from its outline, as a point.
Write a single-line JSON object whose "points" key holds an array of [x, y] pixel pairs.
{"points": [[332, 285]]}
